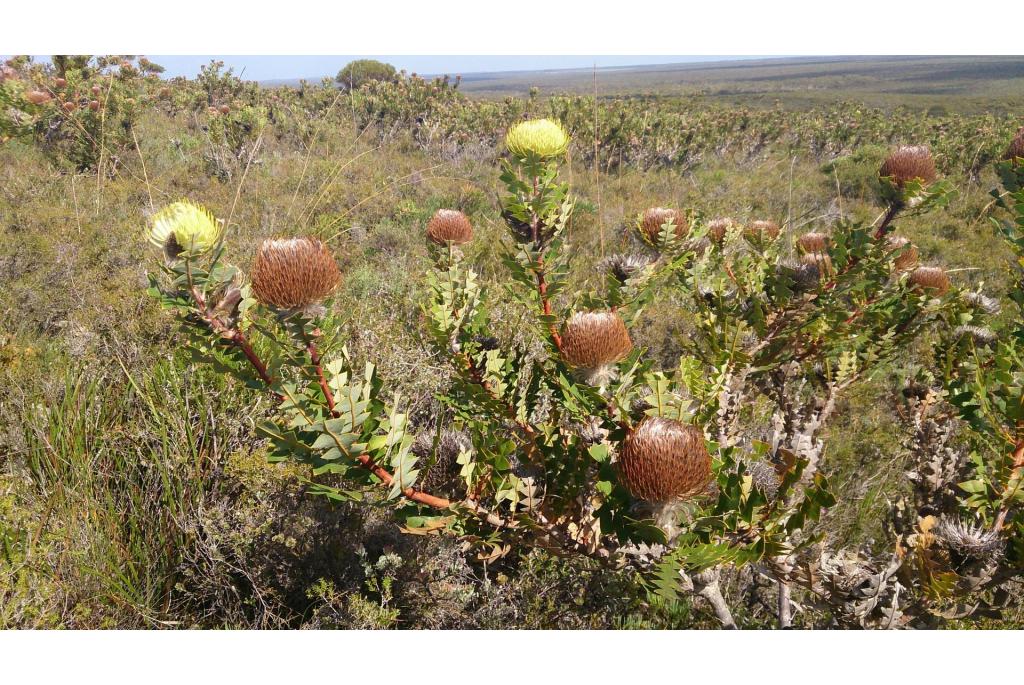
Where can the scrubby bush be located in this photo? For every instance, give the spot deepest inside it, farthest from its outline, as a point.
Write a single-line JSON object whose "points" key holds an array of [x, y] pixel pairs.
{"points": [[565, 437], [359, 72]]}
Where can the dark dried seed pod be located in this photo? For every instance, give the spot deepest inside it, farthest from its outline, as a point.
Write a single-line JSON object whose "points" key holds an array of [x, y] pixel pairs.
{"points": [[988, 305], [656, 217], [443, 476], [662, 460], [520, 229], [908, 163], [813, 242], [925, 278], [907, 259], [762, 229], [449, 226], [718, 228], [981, 335], [594, 339], [1016, 149], [766, 478], [293, 273], [487, 342], [970, 542], [624, 266]]}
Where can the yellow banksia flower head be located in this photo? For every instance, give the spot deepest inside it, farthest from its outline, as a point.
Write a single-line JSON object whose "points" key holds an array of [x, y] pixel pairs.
{"points": [[184, 226], [542, 138]]}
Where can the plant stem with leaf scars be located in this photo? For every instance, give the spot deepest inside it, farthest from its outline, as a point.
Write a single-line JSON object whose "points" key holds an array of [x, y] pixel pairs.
{"points": [[314, 358]]}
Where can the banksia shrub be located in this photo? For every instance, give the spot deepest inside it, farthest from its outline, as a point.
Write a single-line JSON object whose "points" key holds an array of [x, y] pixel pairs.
{"points": [[593, 341], [909, 163], [717, 228], [655, 217], [293, 273], [907, 259], [762, 230], [541, 138], [932, 278], [813, 242], [449, 226], [662, 460], [184, 227]]}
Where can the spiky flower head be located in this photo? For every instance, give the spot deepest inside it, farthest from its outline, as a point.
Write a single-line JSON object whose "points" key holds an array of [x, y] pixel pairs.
{"points": [[662, 460], [969, 541], [909, 163], [449, 226], [543, 138], [592, 342], [293, 273], [805, 276], [762, 230], [655, 217], [813, 242], [988, 305], [443, 475], [184, 227], [625, 266], [907, 258], [929, 278], [717, 228], [1016, 149]]}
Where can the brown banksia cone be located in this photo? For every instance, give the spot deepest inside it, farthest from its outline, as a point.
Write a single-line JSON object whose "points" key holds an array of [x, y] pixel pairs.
{"points": [[38, 97], [929, 278], [717, 228], [293, 273], [907, 259], [1016, 149], [60, 83], [96, 90], [224, 109], [819, 260], [449, 226], [907, 163], [656, 217], [663, 460], [593, 341], [70, 106], [94, 105], [762, 230], [813, 242]]}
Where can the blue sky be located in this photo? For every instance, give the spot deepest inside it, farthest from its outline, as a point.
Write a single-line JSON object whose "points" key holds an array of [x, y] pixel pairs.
{"points": [[264, 67]]}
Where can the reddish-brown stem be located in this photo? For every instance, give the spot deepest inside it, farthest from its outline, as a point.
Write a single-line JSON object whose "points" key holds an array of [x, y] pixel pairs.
{"points": [[314, 358], [542, 290], [1018, 463], [367, 462], [239, 339], [883, 228]]}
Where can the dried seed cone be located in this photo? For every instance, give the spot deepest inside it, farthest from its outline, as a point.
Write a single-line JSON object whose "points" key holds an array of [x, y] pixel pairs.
{"points": [[762, 230], [38, 97], [717, 228], [663, 460], [907, 163], [655, 217], [813, 242], [907, 259], [591, 340], [1016, 149], [293, 273], [820, 260], [449, 226], [930, 278]]}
